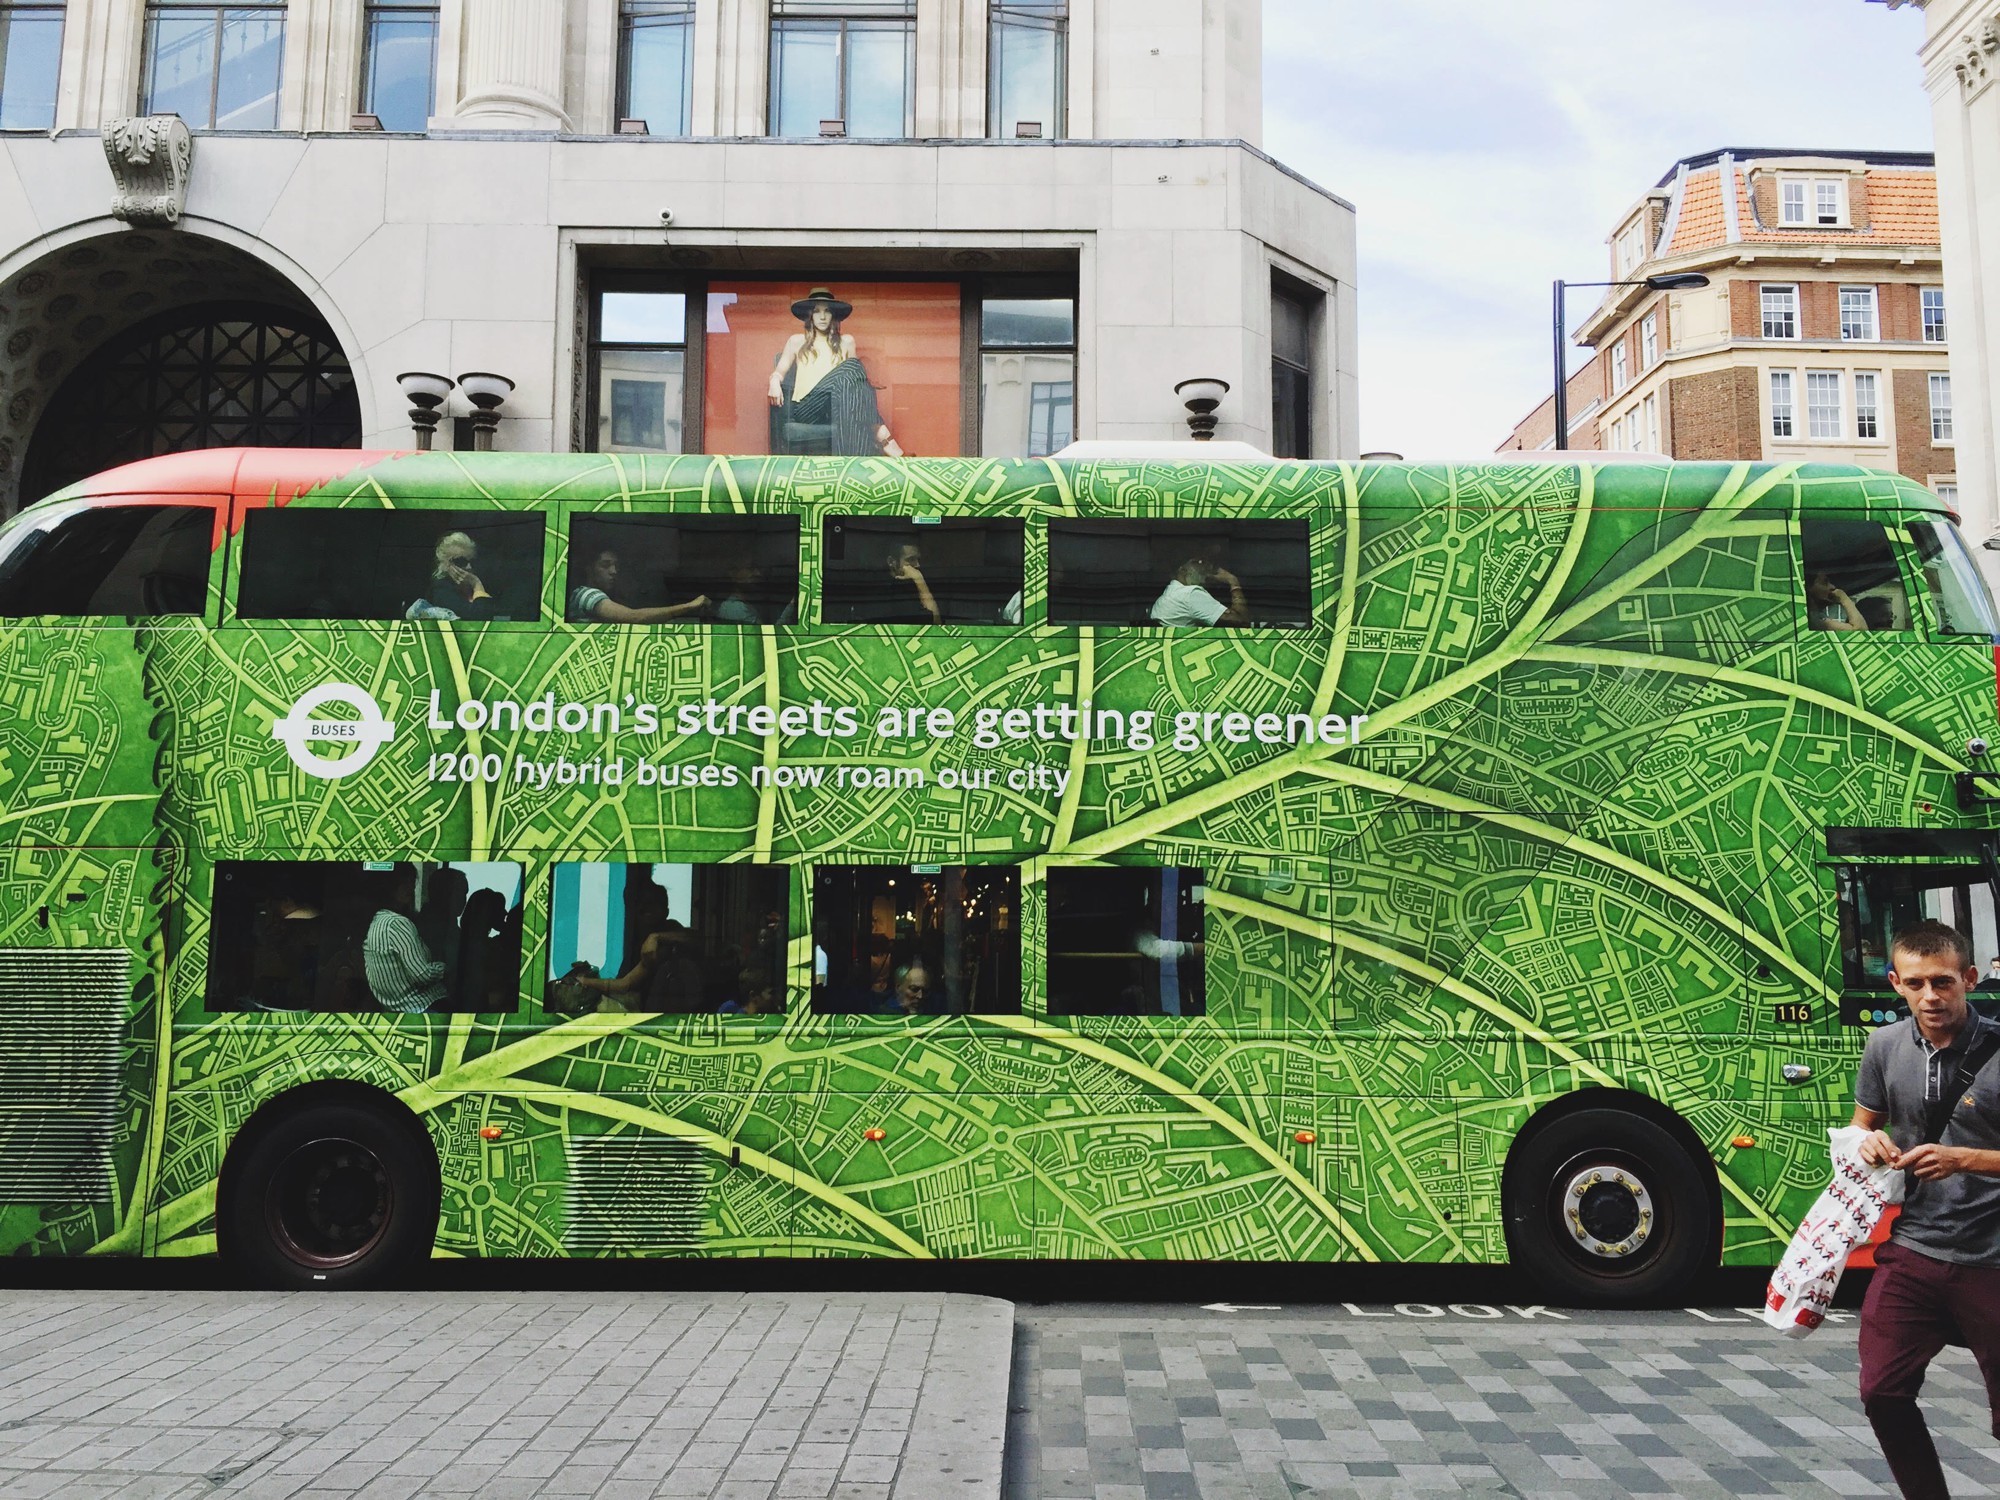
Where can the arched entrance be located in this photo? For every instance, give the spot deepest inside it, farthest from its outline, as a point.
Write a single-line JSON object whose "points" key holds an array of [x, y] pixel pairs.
{"points": [[138, 342], [214, 375]]}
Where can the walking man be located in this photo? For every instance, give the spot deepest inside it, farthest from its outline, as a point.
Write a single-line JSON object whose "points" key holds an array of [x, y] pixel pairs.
{"points": [[1933, 1105]]}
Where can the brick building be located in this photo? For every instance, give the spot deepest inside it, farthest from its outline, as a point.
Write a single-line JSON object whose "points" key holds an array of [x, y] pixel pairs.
{"points": [[1821, 336]]}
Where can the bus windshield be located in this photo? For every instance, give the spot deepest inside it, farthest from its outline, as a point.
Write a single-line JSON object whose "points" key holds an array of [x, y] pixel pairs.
{"points": [[1960, 601]]}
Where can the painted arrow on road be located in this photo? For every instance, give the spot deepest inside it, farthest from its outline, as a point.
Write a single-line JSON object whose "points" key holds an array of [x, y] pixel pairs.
{"points": [[1231, 1307]]}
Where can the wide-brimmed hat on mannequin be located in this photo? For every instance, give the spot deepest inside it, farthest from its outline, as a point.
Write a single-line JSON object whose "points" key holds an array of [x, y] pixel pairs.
{"points": [[819, 297]]}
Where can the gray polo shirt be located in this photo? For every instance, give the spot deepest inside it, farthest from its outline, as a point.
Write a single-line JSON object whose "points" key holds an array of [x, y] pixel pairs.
{"points": [[1958, 1219]]}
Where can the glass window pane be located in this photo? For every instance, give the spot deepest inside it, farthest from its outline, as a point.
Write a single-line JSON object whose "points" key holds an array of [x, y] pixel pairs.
{"points": [[322, 564], [106, 560], [659, 72], [888, 8], [805, 77], [30, 56], [1852, 581], [1018, 322], [639, 400], [889, 570], [409, 937], [916, 940], [1026, 85], [1127, 942], [1180, 573], [1028, 405], [1877, 902], [667, 939], [1291, 330], [1960, 601], [182, 77], [402, 59], [253, 48], [642, 318], [878, 81], [734, 570], [1291, 411]]}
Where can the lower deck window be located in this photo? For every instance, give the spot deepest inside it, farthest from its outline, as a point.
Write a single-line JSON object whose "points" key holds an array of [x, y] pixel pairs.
{"points": [[405, 937], [667, 939], [917, 940], [1127, 942]]}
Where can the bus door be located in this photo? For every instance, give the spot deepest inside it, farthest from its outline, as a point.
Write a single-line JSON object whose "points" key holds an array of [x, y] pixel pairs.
{"points": [[1883, 879], [105, 602]]}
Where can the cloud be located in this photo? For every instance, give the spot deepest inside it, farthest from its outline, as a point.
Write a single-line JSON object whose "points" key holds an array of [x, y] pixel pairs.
{"points": [[1490, 147]]}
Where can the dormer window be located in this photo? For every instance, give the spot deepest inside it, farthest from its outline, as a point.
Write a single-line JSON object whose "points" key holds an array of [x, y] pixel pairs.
{"points": [[1812, 203]]}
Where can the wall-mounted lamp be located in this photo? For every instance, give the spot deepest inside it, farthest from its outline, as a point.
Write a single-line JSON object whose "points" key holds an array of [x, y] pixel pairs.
{"points": [[425, 393], [485, 391], [1201, 396]]}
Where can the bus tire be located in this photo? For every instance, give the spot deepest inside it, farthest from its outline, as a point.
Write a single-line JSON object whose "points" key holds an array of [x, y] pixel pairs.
{"points": [[337, 1193], [1608, 1208]]}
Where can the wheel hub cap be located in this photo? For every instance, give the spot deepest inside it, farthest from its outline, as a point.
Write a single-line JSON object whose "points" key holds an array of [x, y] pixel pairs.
{"points": [[1608, 1211]]}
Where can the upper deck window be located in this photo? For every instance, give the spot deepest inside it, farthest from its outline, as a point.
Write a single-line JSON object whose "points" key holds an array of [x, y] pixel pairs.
{"points": [[1852, 581], [85, 560], [886, 570], [649, 570], [470, 565], [1180, 573], [1960, 601]]}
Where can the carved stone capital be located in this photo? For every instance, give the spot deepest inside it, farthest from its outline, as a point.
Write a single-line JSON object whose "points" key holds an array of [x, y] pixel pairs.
{"points": [[149, 156]]}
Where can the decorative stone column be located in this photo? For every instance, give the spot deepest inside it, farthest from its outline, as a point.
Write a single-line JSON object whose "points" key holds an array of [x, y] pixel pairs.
{"points": [[510, 74], [149, 157]]}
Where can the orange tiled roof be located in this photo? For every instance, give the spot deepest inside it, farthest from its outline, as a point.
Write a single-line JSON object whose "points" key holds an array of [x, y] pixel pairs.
{"points": [[1902, 210]]}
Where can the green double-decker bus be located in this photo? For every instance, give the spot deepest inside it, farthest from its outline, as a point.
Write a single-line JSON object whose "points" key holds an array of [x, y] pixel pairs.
{"points": [[590, 855]]}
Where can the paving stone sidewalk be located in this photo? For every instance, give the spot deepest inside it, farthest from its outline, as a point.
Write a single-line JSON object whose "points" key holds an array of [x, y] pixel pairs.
{"points": [[711, 1396], [1331, 1404]]}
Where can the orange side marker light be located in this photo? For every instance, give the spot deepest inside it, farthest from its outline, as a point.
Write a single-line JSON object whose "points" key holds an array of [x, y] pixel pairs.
{"points": [[874, 1133], [1744, 1142], [1305, 1137], [490, 1132]]}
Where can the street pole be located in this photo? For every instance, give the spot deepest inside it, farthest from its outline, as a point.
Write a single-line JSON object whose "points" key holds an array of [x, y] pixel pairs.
{"points": [[1562, 371]]}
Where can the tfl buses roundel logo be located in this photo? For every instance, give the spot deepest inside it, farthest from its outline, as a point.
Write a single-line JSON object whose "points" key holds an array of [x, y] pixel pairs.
{"points": [[303, 734]]}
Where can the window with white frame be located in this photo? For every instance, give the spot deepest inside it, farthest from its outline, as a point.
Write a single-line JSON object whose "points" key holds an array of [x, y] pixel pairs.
{"points": [[1947, 491], [1823, 418], [1781, 312], [1783, 424], [1649, 341], [1620, 375], [1617, 443], [1829, 203], [1653, 424], [1858, 323], [1631, 248], [1867, 404], [1941, 431], [1933, 309], [1791, 203], [1809, 203]]}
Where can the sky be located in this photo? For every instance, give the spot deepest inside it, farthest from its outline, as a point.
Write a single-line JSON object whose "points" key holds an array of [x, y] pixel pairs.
{"points": [[1489, 146]]}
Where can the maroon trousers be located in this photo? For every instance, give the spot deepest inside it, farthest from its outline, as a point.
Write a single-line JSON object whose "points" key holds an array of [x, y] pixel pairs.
{"points": [[1914, 1307]]}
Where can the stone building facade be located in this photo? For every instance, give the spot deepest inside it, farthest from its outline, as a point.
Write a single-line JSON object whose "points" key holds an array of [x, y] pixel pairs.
{"points": [[1038, 216], [1822, 336]]}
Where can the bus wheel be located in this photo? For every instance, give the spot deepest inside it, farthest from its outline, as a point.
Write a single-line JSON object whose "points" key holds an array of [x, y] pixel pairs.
{"points": [[332, 1194], [1608, 1208]]}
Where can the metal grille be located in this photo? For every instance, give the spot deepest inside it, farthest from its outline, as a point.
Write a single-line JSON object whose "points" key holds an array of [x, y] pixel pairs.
{"points": [[208, 377], [62, 1012], [637, 1195]]}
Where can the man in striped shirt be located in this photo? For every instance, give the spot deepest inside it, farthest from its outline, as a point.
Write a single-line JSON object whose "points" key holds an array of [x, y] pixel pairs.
{"points": [[402, 973]]}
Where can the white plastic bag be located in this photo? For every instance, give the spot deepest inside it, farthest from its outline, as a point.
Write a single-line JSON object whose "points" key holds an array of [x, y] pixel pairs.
{"points": [[1845, 1216]]}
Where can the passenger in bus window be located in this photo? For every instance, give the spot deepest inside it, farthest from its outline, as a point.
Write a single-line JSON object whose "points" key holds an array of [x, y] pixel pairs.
{"points": [[1877, 611], [403, 974], [1831, 608], [1187, 599], [591, 599], [915, 604], [455, 591], [746, 584], [756, 995]]}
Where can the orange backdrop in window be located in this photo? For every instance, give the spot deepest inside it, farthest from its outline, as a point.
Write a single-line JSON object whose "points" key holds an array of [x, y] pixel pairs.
{"points": [[906, 336]]}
